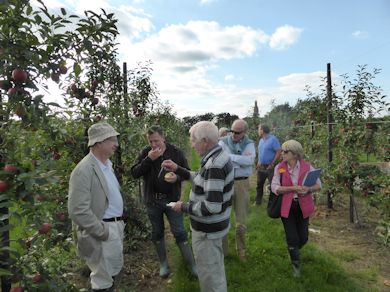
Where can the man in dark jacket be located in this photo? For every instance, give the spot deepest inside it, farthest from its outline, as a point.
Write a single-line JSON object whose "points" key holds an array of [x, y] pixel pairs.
{"points": [[160, 188]]}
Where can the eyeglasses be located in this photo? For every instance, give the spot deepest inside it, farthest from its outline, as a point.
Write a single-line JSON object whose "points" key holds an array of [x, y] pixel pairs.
{"points": [[237, 133], [286, 151]]}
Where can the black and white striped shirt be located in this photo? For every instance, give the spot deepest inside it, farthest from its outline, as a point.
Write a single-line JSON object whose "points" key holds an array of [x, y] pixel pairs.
{"points": [[210, 199]]}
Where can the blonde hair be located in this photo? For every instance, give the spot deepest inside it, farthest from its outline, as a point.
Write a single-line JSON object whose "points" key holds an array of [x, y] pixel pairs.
{"points": [[295, 147]]}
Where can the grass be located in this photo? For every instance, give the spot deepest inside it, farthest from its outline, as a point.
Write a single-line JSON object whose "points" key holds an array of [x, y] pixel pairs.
{"points": [[268, 266]]}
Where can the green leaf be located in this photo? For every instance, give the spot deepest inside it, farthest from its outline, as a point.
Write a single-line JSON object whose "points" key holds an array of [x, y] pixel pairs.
{"points": [[29, 10], [77, 69], [38, 19], [63, 11], [3, 198], [4, 272], [4, 217], [5, 204]]}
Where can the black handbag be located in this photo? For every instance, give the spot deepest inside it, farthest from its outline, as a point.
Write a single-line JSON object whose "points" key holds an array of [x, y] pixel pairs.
{"points": [[274, 203]]}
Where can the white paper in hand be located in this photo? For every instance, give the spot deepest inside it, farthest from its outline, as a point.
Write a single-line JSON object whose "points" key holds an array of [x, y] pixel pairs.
{"points": [[171, 204]]}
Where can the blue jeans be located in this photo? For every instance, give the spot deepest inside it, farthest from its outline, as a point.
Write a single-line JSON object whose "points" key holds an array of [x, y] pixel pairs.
{"points": [[156, 213]]}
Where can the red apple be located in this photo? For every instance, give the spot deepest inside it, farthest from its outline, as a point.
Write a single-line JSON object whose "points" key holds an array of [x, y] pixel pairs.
{"points": [[10, 168], [61, 216], [55, 77], [3, 186], [73, 87], [13, 90], [19, 75], [16, 289], [45, 228], [63, 69]]}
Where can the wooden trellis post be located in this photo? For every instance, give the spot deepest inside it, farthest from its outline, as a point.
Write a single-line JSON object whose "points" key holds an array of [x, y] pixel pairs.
{"points": [[330, 126]]}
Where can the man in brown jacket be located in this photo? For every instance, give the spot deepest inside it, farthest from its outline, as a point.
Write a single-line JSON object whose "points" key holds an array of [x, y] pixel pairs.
{"points": [[95, 206]]}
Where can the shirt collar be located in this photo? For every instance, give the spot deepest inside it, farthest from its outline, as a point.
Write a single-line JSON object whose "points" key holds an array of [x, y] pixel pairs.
{"points": [[101, 164]]}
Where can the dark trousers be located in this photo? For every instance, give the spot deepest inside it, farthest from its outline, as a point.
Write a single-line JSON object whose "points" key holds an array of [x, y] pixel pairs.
{"points": [[156, 213], [295, 227], [262, 175]]}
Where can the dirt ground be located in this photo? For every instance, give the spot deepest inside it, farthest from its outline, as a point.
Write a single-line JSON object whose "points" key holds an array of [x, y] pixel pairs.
{"points": [[354, 245]]}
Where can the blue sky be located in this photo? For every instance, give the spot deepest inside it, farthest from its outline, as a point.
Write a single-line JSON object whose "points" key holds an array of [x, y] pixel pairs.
{"points": [[222, 55]]}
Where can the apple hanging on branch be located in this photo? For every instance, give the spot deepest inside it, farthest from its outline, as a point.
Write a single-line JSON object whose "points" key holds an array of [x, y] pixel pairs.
{"points": [[45, 228], [19, 75], [3, 186], [10, 168]]}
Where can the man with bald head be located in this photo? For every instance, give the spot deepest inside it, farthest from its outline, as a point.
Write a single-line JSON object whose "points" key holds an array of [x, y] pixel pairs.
{"points": [[242, 153]]}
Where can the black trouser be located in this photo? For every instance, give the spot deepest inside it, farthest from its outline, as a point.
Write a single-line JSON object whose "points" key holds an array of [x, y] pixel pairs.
{"points": [[296, 228], [262, 174]]}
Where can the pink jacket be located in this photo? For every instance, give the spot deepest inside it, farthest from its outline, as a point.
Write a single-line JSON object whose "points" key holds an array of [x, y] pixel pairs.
{"points": [[306, 202]]}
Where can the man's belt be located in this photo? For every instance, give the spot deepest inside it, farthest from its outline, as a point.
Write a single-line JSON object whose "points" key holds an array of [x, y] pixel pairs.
{"points": [[113, 219], [240, 178], [160, 196]]}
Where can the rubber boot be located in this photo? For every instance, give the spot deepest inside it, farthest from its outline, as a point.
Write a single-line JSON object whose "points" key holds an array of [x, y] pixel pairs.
{"points": [[240, 242], [162, 256], [295, 261], [188, 257]]}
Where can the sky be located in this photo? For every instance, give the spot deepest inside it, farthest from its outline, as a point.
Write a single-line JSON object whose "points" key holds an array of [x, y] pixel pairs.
{"points": [[223, 55]]}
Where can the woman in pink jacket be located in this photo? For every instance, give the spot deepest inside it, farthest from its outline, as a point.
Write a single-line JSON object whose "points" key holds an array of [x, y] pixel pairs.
{"points": [[297, 203]]}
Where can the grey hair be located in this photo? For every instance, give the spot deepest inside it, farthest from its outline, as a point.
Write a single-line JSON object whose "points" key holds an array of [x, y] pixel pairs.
{"points": [[205, 129], [295, 147], [246, 127], [223, 131]]}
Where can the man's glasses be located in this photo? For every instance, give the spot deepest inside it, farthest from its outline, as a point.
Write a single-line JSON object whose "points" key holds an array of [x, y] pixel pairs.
{"points": [[285, 151], [237, 133]]}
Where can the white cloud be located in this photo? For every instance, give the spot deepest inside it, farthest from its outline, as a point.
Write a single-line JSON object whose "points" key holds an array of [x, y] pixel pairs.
{"points": [[296, 82], [229, 77], [284, 37], [205, 2], [199, 42], [359, 34]]}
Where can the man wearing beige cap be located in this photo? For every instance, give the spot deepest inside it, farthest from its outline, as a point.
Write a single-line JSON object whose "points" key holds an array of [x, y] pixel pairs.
{"points": [[95, 206]]}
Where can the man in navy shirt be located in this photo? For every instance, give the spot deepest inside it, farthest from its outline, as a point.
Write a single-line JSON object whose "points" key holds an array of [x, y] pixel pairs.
{"points": [[268, 155]]}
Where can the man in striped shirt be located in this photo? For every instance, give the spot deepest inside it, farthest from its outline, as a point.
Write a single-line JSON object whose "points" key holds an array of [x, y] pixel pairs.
{"points": [[209, 204]]}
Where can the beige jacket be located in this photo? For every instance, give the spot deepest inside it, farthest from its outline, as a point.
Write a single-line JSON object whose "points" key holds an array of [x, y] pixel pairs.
{"points": [[87, 203]]}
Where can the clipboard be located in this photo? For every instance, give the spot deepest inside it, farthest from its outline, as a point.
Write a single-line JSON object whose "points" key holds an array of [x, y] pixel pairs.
{"points": [[311, 177]]}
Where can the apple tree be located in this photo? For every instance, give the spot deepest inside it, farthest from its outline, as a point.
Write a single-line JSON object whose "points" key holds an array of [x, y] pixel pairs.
{"points": [[43, 140]]}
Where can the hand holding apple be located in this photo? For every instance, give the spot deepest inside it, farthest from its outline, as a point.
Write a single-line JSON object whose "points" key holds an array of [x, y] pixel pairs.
{"points": [[170, 177]]}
